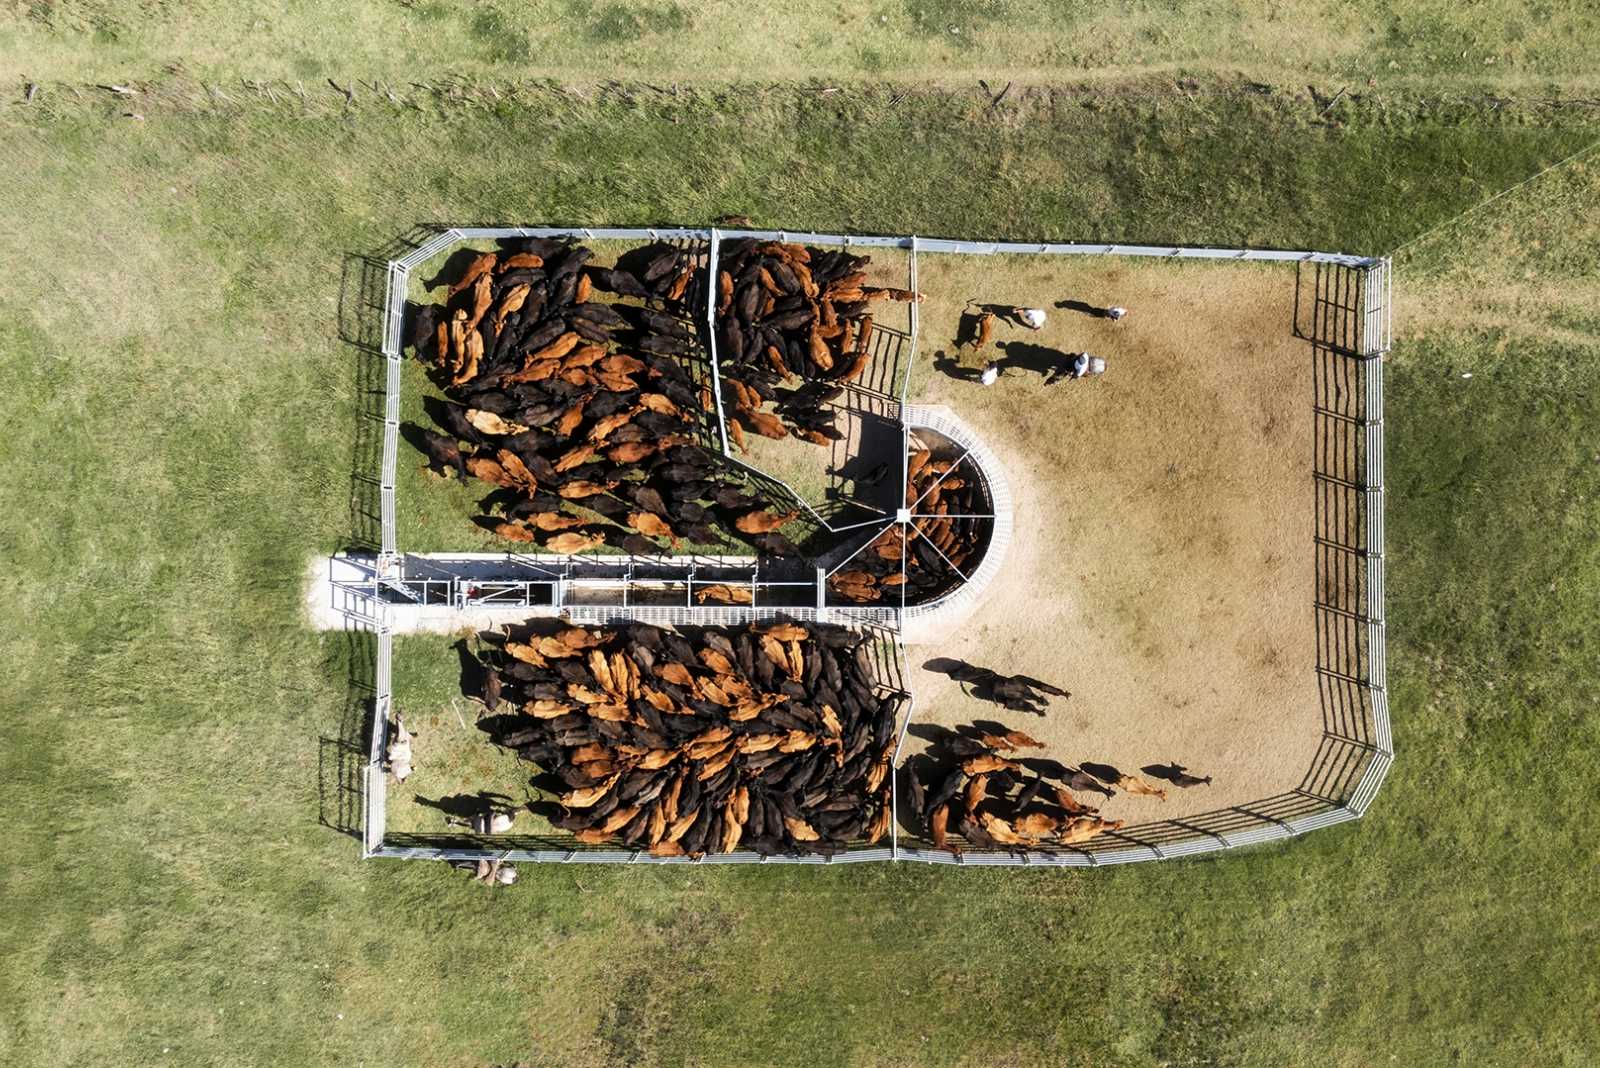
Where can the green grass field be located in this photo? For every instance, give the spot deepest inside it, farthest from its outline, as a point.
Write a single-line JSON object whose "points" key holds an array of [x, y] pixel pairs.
{"points": [[181, 413], [1495, 44]]}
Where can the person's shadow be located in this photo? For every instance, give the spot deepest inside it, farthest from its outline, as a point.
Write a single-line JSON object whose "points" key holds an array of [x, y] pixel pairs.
{"points": [[1038, 359], [946, 364], [465, 806], [1085, 308]]}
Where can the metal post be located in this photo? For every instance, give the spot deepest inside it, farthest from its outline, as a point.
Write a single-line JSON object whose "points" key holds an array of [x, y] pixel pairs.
{"points": [[393, 327], [916, 320], [373, 809], [711, 335]]}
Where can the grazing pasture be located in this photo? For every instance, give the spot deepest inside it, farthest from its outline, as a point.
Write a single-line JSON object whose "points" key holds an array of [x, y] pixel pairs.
{"points": [[1497, 45]]}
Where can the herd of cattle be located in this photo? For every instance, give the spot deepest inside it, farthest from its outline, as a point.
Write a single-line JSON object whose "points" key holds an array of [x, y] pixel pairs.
{"points": [[587, 416], [581, 411], [776, 738], [785, 312], [986, 798], [949, 528]]}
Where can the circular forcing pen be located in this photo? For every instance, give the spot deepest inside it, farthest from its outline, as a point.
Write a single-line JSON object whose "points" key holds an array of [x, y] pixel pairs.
{"points": [[941, 537]]}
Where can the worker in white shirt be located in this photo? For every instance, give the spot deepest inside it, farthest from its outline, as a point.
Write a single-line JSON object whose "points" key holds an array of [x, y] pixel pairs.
{"points": [[991, 372], [1032, 318], [1115, 313]]}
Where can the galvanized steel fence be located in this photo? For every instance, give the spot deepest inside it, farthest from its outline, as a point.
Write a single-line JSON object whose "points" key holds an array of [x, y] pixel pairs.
{"points": [[1345, 317]]}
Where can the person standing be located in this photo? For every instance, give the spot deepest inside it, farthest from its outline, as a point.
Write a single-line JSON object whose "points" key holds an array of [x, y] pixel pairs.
{"points": [[991, 372], [1116, 312], [1081, 366], [1032, 318]]}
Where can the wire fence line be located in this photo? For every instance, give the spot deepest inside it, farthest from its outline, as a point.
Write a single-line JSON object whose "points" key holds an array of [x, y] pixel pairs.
{"points": [[1348, 318], [1457, 219]]}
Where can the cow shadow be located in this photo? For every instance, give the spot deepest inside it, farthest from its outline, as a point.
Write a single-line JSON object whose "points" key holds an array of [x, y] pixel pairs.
{"points": [[454, 266], [1104, 772], [929, 732], [474, 673], [966, 331], [1045, 767]]}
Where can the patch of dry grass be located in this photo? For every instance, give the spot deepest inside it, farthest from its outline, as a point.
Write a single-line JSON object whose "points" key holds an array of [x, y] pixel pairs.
{"points": [[1504, 43], [453, 757], [1517, 272]]}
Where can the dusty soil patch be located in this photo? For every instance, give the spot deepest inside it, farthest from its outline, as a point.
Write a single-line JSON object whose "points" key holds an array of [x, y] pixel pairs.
{"points": [[1162, 567]]}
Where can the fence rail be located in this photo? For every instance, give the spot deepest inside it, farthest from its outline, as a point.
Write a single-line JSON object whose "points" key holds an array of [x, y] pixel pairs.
{"points": [[1345, 317]]}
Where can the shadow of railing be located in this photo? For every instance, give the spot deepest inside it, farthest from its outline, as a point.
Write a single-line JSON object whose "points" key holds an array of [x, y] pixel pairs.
{"points": [[363, 303], [891, 349], [864, 471], [342, 756]]}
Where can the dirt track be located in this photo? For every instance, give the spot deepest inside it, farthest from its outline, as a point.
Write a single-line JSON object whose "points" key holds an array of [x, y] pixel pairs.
{"points": [[1162, 567]]}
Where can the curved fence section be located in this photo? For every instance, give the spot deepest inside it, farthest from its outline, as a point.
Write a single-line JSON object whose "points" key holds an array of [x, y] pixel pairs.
{"points": [[964, 596]]}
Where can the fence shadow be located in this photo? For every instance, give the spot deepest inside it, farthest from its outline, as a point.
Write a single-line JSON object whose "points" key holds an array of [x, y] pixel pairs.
{"points": [[362, 304], [342, 755], [1329, 315], [865, 465]]}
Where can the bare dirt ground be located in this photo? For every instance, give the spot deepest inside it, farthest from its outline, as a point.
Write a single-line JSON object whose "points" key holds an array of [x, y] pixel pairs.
{"points": [[1162, 567]]}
